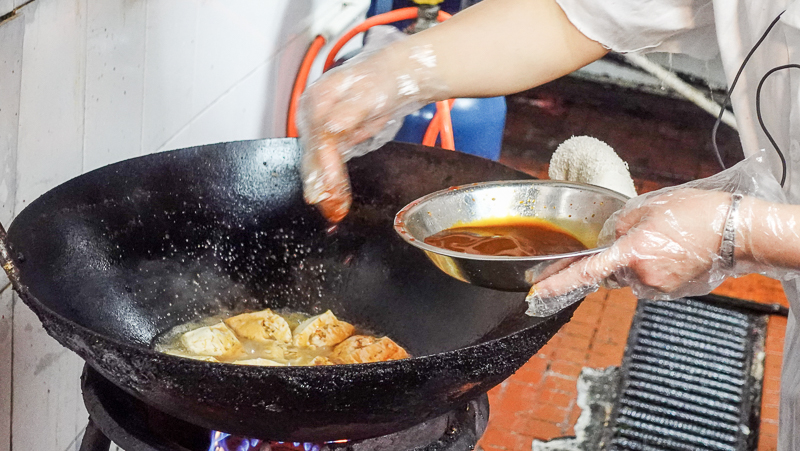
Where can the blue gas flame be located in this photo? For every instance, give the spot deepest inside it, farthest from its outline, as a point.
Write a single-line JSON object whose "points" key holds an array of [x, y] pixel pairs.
{"points": [[220, 442]]}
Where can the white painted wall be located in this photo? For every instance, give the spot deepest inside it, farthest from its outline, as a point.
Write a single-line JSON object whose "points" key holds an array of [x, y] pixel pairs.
{"points": [[84, 83], [11, 33], [6, 6]]}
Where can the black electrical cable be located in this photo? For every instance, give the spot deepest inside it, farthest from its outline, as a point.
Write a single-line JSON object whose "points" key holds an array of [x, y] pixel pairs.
{"points": [[733, 85], [761, 121]]}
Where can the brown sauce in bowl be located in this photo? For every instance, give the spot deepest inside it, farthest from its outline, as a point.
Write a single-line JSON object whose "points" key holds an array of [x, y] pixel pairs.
{"points": [[510, 237]]}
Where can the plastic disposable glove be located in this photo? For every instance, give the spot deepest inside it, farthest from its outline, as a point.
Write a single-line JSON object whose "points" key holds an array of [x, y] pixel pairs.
{"points": [[356, 108], [666, 244]]}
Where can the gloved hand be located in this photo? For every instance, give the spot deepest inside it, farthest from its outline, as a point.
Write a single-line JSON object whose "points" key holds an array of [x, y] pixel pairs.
{"points": [[666, 244], [356, 108]]}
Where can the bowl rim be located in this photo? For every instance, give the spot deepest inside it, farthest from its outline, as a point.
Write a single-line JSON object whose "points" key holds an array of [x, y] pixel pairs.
{"points": [[408, 237]]}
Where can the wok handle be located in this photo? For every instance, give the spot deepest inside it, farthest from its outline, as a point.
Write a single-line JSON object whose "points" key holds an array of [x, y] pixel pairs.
{"points": [[5, 259]]}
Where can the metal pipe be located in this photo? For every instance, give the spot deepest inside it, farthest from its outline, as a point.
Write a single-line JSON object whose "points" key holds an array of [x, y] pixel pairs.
{"points": [[681, 87]]}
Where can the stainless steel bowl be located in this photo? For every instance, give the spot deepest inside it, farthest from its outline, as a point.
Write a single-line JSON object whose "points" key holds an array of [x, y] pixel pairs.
{"points": [[579, 208]]}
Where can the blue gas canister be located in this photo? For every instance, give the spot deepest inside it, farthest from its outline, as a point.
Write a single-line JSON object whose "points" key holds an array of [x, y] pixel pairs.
{"points": [[477, 125]]}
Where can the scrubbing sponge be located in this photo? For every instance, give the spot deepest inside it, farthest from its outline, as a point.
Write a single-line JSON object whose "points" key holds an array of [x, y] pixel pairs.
{"points": [[589, 160]]}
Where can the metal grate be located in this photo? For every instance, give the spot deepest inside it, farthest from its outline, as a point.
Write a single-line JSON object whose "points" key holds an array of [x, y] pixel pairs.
{"points": [[690, 379]]}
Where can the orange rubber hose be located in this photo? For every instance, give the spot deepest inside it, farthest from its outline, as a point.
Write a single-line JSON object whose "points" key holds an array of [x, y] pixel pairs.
{"points": [[432, 132], [381, 19], [446, 131], [300, 84], [441, 122], [434, 126]]}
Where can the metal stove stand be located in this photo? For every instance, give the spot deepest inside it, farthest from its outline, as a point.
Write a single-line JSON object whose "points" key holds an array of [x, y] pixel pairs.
{"points": [[135, 426]]}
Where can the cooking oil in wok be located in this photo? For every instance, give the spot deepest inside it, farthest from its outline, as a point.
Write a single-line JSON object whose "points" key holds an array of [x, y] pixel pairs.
{"points": [[280, 338]]}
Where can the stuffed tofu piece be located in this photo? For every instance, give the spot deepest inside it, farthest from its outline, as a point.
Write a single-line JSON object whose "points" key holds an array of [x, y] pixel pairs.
{"points": [[365, 349], [273, 350], [322, 330], [216, 341], [260, 326], [266, 338], [319, 361]]}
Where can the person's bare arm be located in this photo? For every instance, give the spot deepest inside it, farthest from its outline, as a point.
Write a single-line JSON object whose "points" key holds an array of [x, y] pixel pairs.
{"points": [[769, 234], [500, 47]]}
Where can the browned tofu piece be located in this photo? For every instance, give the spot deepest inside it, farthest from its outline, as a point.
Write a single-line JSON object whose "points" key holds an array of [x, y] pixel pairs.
{"points": [[260, 326], [216, 341], [322, 330], [364, 349], [319, 360], [273, 350]]}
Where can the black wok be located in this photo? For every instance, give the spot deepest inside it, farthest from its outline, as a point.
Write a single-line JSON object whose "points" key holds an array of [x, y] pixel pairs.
{"points": [[115, 257]]}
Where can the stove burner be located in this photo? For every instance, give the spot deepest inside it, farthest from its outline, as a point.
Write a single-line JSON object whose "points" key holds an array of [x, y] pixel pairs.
{"points": [[135, 426], [222, 441]]}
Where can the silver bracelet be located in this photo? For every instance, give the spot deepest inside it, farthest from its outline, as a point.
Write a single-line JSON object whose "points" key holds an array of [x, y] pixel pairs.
{"points": [[728, 246]]}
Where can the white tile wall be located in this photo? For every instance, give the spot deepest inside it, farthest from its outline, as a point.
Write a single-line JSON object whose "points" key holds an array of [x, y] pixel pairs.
{"points": [[84, 83], [11, 33], [169, 72], [52, 96], [6, 333], [229, 71], [48, 408], [46, 393], [115, 49], [6, 6]]}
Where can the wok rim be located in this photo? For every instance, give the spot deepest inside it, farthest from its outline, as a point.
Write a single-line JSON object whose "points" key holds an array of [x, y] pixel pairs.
{"points": [[408, 237]]}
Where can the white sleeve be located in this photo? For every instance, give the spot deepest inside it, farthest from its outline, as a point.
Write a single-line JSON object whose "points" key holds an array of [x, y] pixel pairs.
{"points": [[678, 26]]}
